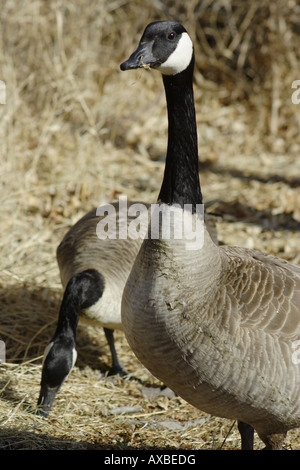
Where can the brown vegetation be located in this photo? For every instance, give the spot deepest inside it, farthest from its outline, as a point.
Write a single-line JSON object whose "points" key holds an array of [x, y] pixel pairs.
{"points": [[75, 132]]}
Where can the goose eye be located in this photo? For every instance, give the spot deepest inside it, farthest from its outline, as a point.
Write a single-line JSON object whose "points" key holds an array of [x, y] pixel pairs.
{"points": [[171, 36]]}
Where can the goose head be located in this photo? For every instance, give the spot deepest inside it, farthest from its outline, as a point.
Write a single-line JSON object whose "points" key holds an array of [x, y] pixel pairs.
{"points": [[59, 358], [164, 46]]}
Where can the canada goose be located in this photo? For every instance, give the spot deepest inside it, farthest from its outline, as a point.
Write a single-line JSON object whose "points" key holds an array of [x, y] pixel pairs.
{"points": [[217, 324], [93, 272]]}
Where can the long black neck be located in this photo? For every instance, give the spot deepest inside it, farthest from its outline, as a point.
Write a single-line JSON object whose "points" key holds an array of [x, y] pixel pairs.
{"points": [[68, 315], [181, 183], [82, 291]]}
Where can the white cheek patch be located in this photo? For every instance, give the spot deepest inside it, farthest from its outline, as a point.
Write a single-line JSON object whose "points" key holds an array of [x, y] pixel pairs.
{"points": [[74, 357], [180, 59]]}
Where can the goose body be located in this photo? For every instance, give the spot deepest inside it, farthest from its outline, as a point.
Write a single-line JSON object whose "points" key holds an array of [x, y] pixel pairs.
{"points": [[217, 324]]}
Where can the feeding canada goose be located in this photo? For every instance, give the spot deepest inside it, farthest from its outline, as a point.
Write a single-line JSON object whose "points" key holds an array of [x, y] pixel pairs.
{"points": [[93, 271], [217, 324]]}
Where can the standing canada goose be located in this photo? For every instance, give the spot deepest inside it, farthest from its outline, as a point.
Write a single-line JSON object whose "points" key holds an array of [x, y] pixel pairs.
{"points": [[93, 272], [217, 324]]}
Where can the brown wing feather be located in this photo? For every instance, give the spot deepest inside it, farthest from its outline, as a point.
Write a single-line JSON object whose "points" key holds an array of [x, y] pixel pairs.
{"points": [[267, 289]]}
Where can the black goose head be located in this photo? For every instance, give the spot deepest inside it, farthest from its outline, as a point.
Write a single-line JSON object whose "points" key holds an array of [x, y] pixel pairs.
{"points": [[59, 358], [165, 46]]}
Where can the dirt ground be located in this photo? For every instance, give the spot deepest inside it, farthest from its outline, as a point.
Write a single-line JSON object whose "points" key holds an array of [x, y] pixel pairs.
{"points": [[75, 132]]}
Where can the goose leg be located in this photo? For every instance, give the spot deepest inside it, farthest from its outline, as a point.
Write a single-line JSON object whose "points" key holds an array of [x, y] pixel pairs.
{"points": [[247, 435], [117, 367]]}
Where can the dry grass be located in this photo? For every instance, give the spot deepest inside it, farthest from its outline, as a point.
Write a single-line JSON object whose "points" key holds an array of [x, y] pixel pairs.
{"points": [[75, 131]]}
